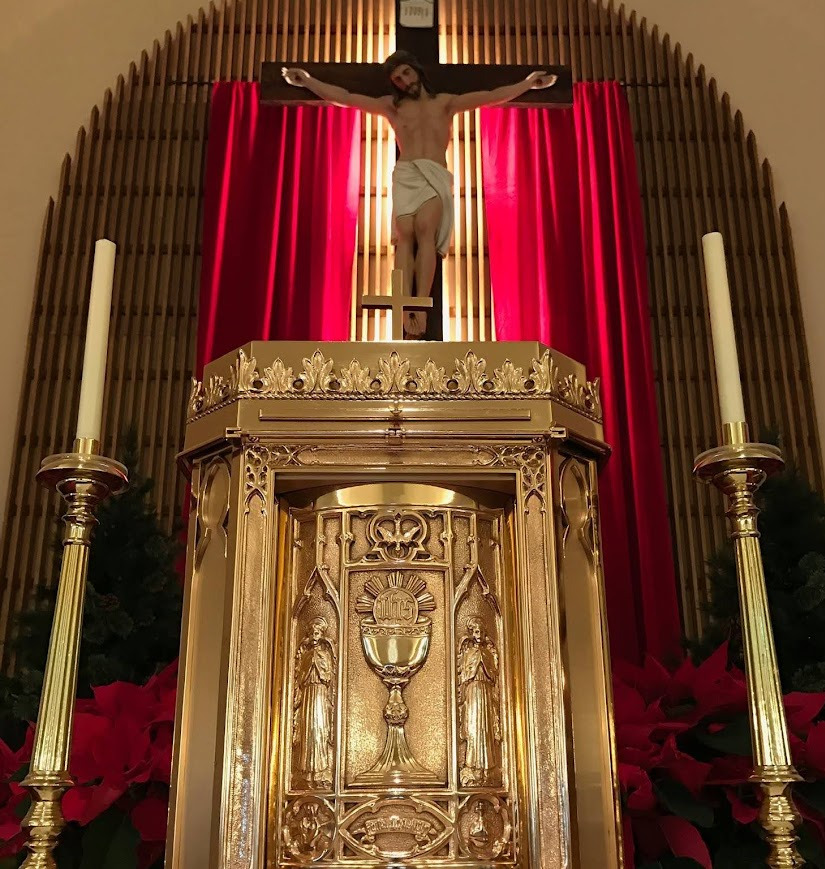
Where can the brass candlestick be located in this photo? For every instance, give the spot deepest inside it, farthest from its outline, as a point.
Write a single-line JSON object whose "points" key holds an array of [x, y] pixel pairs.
{"points": [[84, 479], [738, 469]]}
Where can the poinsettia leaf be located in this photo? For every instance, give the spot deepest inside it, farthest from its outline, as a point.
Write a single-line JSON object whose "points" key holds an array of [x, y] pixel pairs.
{"points": [[69, 851], [810, 849], [679, 800], [680, 710], [110, 842], [733, 738], [684, 840], [813, 793]]}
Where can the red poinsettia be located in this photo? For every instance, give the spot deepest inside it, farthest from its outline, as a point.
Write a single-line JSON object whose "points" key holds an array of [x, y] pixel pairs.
{"points": [[121, 755], [13, 797], [684, 749]]}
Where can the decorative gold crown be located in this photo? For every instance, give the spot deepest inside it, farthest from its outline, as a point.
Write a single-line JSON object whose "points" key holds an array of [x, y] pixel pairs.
{"points": [[395, 376]]}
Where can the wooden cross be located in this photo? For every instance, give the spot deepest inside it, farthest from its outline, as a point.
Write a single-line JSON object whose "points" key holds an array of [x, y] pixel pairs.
{"points": [[397, 303], [371, 80], [455, 78]]}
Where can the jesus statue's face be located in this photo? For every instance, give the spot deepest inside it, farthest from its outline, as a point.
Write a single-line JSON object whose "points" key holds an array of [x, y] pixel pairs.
{"points": [[406, 79]]}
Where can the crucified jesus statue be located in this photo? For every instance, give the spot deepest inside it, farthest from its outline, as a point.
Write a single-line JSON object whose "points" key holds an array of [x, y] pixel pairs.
{"points": [[422, 186]]}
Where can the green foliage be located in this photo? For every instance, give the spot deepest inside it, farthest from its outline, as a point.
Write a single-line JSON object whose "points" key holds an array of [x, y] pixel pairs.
{"points": [[741, 852], [733, 739], [110, 842], [792, 525], [678, 800], [132, 609]]}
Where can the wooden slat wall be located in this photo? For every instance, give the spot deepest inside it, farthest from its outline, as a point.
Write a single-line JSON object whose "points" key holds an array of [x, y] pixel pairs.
{"points": [[136, 178], [463, 27], [374, 260], [700, 171]]}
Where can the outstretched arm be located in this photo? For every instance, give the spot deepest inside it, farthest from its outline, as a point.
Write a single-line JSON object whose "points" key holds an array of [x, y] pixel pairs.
{"points": [[334, 94], [477, 99]]}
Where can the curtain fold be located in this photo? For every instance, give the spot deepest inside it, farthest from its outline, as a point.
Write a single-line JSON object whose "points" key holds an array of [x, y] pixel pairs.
{"points": [[575, 277], [280, 215]]}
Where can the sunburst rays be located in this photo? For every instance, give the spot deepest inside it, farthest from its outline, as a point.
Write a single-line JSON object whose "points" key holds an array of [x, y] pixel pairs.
{"points": [[410, 582]]}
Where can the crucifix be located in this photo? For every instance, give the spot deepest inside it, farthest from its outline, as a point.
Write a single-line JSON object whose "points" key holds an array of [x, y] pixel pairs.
{"points": [[419, 97]]}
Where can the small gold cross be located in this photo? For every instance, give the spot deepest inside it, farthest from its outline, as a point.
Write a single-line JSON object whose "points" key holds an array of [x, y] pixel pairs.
{"points": [[397, 303]]}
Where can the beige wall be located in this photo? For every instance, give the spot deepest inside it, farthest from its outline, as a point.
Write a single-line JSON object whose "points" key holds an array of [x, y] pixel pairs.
{"points": [[58, 56], [769, 56]]}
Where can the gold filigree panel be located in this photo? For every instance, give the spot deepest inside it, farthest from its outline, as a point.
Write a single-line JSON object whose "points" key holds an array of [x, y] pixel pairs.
{"points": [[398, 722]]}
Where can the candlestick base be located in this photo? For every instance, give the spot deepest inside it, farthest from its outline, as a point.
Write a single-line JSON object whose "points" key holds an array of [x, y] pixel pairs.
{"points": [[45, 823], [779, 817]]}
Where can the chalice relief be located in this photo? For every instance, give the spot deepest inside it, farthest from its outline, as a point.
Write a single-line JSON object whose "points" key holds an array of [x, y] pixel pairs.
{"points": [[313, 729], [480, 722], [395, 637]]}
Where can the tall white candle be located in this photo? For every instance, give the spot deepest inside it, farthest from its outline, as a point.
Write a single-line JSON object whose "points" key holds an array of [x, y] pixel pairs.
{"points": [[721, 328], [97, 341]]}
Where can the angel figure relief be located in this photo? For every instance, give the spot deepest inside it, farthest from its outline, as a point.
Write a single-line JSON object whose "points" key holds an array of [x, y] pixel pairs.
{"points": [[313, 728], [479, 719]]}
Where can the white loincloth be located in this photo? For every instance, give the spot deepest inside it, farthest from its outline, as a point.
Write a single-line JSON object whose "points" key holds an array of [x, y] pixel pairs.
{"points": [[414, 182]]}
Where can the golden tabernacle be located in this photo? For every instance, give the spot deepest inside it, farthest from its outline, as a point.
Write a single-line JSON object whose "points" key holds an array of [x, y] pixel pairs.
{"points": [[394, 648]]}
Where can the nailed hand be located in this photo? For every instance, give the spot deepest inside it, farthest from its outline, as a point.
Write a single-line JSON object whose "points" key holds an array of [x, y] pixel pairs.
{"points": [[295, 76]]}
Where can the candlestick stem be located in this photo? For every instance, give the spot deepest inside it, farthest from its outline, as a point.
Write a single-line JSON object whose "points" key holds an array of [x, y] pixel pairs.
{"points": [[84, 479]]}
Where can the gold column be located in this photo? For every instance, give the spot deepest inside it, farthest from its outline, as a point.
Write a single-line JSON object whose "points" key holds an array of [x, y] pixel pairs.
{"points": [[84, 479], [738, 469]]}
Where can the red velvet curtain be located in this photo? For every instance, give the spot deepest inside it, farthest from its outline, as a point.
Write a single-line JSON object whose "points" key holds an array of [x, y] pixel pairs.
{"points": [[279, 221], [574, 276]]}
